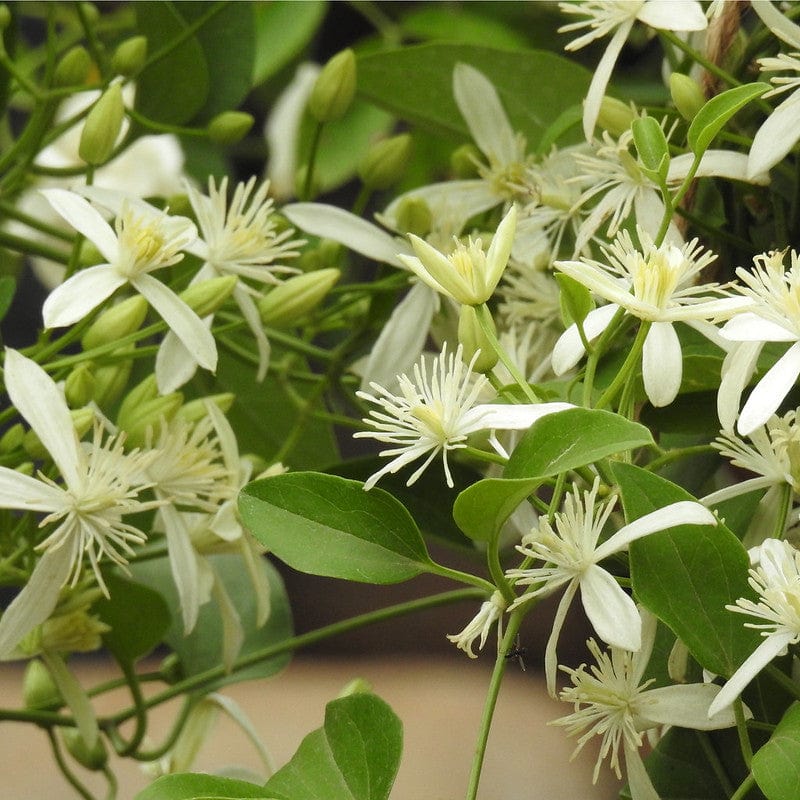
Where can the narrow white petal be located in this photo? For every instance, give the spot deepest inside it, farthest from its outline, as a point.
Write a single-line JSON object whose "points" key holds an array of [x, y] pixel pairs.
{"points": [[550, 654], [749, 327], [500, 249], [715, 164], [774, 644], [776, 137], [80, 294], [440, 269], [35, 395], [597, 281], [673, 15], [86, 219], [509, 417], [348, 229], [75, 697], [786, 30], [253, 319], [188, 327], [569, 349], [27, 494], [174, 364], [648, 208], [737, 369], [638, 780], [235, 712], [685, 707], [480, 106], [183, 562], [662, 364], [770, 392], [36, 601], [611, 611], [232, 631], [602, 74], [737, 489], [413, 264]]}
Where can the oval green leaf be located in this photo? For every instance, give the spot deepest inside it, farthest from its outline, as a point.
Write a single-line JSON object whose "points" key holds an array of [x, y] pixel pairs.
{"points": [[197, 787], [776, 766], [481, 509], [327, 525]]}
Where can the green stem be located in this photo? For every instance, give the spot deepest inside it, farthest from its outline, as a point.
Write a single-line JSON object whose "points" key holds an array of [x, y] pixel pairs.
{"points": [[312, 159], [70, 776], [132, 745], [713, 759], [594, 356], [741, 730], [484, 455], [699, 58], [677, 454], [783, 511], [461, 577], [783, 680], [20, 244], [744, 788], [626, 370], [168, 743], [514, 622]]}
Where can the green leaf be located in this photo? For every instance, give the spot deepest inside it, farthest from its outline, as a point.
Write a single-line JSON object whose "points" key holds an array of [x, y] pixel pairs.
{"points": [[201, 787], [776, 766], [573, 438], [651, 145], [354, 756], [139, 617], [687, 575], [202, 648], [481, 509], [326, 525], [427, 98], [8, 287], [282, 30], [713, 116], [462, 26], [576, 300]]}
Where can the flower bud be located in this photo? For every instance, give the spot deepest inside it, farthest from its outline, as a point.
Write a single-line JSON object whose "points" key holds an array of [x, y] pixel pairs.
{"points": [[79, 386], [414, 216], [5, 16], [130, 55], [116, 323], [335, 88], [90, 12], [73, 68], [464, 162], [195, 410], [206, 297], [686, 94], [143, 392], [230, 127], [111, 380], [93, 758], [171, 670], [473, 339], [12, 438], [39, 690], [615, 116], [144, 409], [385, 162], [82, 421], [286, 304], [102, 126]]}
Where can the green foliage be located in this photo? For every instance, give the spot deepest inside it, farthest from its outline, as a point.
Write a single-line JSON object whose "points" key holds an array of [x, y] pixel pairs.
{"points": [[201, 787], [776, 766]]}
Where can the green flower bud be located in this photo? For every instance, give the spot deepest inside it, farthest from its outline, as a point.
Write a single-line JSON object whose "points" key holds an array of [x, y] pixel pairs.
{"points": [[79, 386], [286, 304], [116, 322], [143, 392], [385, 162], [5, 16], [335, 88], [207, 296], [39, 690], [148, 417], [91, 12], [130, 55], [93, 758], [82, 421], [12, 438], [686, 94], [195, 410], [25, 468], [102, 127], [111, 380], [230, 127], [615, 116], [414, 216], [472, 337], [464, 162], [171, 669], [73, 68]]}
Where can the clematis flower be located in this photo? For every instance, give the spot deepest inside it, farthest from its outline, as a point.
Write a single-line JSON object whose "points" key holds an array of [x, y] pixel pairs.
{"points": [[570, 554], [143, 240], [776, 580], [613, 700], [618, 16], [478, 628], [773, 315], [651, 283], [101, 486], [435, 413]]}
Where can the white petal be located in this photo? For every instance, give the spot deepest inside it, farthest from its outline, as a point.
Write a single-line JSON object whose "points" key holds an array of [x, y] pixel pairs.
{"points": [[509, 417], [770, 392], [648, 208], [174, 364], [776, 137], [232, 631], [253, 319], [235, 712], [662, 364], [75, 697], [188, 327], [480, 106], [749, 327], [37, 599], [569, 349], [639, 782], [86, 219], [715, 164], [550, 655], [597, 281], [27, 494], [737, 368], [500, 249], [35, 395], [80, 294], [774, 644], [685, 707], [353, 232], [611, 611], [786, 30], [673, 15], [183, 562]]}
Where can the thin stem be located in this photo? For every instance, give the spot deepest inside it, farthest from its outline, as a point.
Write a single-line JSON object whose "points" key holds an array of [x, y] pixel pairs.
{"points": [[677, 454], [744, 788], [514, 622], [484, 455], [626, 370], [783, 680], [741, 730], [70, 776], [713, 759], [132, 680], [783, 511], [312, 158], [461, 577], [594, 357], [699, 58]]}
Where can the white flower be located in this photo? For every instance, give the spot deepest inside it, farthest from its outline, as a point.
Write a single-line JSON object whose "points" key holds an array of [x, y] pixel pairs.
{"points": [[651, 283], [101, 484], [143, 240], [612, 700], [478, 628], [241, 238], [776, 580], [773, 315], [570, 554], [605, 16], [436, 412]]}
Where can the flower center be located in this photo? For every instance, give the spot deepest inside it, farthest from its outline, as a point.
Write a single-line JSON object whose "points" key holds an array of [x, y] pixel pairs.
{"points": [[432, 418], [144, 243], [656, 277]]}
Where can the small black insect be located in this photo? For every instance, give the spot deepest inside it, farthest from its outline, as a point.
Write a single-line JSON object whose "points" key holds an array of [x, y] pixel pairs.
{"points": [[518, 652]]}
